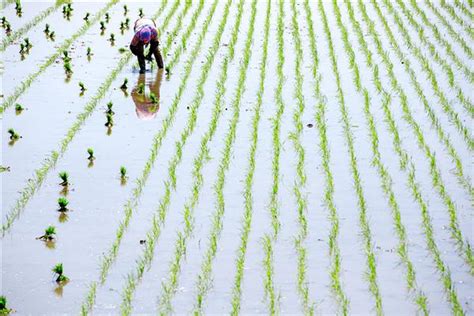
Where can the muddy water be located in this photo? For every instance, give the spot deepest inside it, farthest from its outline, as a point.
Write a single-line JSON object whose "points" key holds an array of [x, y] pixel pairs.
{"points": [[97, 195]]}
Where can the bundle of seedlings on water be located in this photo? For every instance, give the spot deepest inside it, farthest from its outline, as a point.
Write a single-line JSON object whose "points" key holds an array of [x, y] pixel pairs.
{"points": [[110, 120], [123, 175], [63, 202], [59, 271], [46, 29], [127, 23], [141, 88], [4, 310], [125, 9], [68, 68], [67, 11], [82, 87], [86, 18], [66, 57], [140, 13], [167, 71], [3, 21], [123, 27], [122, 50], [112, 39], [89, 53], [8, 28], [49, 234], [102, 26], [64, 176], [13, 135], [18, 108], [124, 84], [153, 98], [107, 17], [28, 44], [52, 36], [109, 108], [18, 8], [91, 157], [22, 49]]}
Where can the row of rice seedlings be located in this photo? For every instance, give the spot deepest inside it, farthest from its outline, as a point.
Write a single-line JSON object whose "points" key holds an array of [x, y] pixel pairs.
{"points": [[19, 90], [132, 203], [170, 285], [453, 116], [452, 13], [455, 35], [8, 40], [50, 161], [441, 40], [437, 181], [320, 117], [300, 181], [170, 184], [180, 20], [465, 101], [466, 11], [407, 165], [385, 179], [362, 204]]}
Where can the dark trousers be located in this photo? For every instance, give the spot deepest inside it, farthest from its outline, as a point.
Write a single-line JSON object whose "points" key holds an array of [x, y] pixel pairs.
{"points": [[138, 51]]}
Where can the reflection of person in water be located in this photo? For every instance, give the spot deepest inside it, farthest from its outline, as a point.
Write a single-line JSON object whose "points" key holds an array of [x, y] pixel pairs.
{"points": [[145, 106]]}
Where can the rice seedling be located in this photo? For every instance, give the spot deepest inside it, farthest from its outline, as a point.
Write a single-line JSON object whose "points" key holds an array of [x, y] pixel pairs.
{"points": [[67, 68], [102, 26], [63, 203], [13, 134], [107, 17], [124, 84], [58, 270], [49, 234], [18, 8], [64, 176], [82, 87], [140, 13], [3, 21], [334, 252], [52, 36], [109, 120], [123, 172], [3, 169], [125, 9], [4, 310], [8, 28], [112, 39], [109, 108], [18, 108], [47, 29], [86, 17], [127, 23], [90, 152]]}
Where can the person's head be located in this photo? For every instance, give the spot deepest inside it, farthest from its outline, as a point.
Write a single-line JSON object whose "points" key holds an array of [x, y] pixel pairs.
{"points": [[145, 35]]}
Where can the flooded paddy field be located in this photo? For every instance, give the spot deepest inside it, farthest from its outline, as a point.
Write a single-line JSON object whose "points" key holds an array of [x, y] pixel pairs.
{"points": [[292, 157]]}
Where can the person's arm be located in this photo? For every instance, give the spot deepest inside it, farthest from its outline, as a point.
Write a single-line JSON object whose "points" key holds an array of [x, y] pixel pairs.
{"points": [[135, 40]]}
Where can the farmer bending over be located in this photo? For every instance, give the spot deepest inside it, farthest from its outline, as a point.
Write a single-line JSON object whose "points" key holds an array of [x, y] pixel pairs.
{"points": [[145, 33]]}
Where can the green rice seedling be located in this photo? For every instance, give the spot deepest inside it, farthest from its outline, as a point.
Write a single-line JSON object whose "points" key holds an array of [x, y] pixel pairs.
{"points": [[122, 27], [110, 120], [13, 135], [109, 108], [123, 175], [122, 50], [102, 26], [82, 87], [64, 176], [28, 44], [91, 156], [3, 169], [63, 203], [125, 9], [127, 23], [59, 271], [89, 52], [112, 39], [68, 68], [8, 28], [107, 17], [4, 310], [3, 21], [86, 17], [18, 108], [18, 8], [22, 49], [124, 84], [140, 13], [52, 36], [49, 234], [46, 29]]}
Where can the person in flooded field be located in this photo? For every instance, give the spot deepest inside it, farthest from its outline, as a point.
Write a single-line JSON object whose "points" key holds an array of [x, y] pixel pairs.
{"points": [[145, 33], [147, 106]]}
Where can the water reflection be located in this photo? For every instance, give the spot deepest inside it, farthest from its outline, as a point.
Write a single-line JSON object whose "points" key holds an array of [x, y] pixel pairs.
{"points": [[147, 102]]}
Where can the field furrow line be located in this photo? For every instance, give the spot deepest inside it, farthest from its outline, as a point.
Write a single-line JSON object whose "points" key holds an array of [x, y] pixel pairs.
{"points": [[452, 13], [407, 165], [349, 136], [8, 40], [467, 11], [334, 252], [385, 179], [300, 182], [158, 220], [20, 89], [437, 181], [455, 35], [132, 202], [467, 69], [452, 115], [464, 100]]}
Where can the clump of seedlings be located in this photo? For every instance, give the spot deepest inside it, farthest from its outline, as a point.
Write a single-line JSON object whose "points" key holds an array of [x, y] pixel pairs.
{"points": [[63, 203], [91, 157], [67, 11], [122, 27], [127, 23], [13, 135], [110, 120], [125, 9], [8, 28], [167, 72], [18, 108], [4, 310], [123, 175], [66, 57], [86, 17], [64, 176], [107, 17], [109, 108], [46, 29], [140, 13], [52, 36], [3, 21], [49, 234], [124, 84], [89, 53], [28, 44], [68, 69], [112, 39], [59, 271], [18, 8], [82, 87], [102, 26]]}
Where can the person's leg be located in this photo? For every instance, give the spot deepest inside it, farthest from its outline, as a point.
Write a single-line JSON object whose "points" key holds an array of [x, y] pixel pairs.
{"points": [[138, 51], [155, 50]]}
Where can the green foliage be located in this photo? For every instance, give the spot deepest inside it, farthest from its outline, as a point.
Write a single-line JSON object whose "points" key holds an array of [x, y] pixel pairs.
{"points": [[82, 87], [125, 9], [64, 176], [123, 172], [50, 231], [86, 17], [124, 84], [63, 203], [90, 151], [140, 13], [18, 108], [3, 303], [13, 135], [59, 271]]}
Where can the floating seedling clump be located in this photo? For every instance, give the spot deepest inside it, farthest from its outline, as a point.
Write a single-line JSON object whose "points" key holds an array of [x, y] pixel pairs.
{"points": [[18, 8], [124, 84], [13, 135], [107, 17], [46, 29], [67, 11], [64, 176], [125, 9], [110, 120], [18, 108], [91, 156], [49, 234], [63, 203], [112, 39], [86, 17], [140, 13], [68, 68], [4, 310], [109, 108], [59, 271], [82, 87], [123, 175], [102, 26]]}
